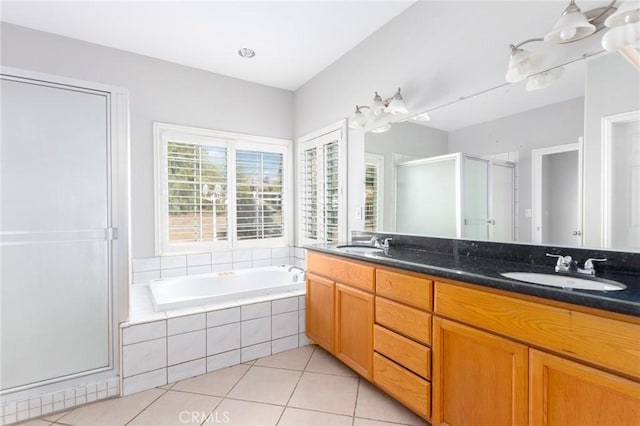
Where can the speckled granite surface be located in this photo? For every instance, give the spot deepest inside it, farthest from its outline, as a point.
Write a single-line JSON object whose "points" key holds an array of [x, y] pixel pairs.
{"points": [[481, 263]]}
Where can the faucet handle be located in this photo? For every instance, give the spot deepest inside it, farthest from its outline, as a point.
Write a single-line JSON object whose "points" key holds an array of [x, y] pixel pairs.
{"points": [[562, 260], [564, 263], [588, 264]]}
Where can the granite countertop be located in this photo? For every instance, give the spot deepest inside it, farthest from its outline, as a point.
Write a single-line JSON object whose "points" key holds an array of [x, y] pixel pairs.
{"points": [[486, 272]]}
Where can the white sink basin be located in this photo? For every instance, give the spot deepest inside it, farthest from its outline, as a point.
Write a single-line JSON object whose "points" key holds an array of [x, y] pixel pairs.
{"points": [[565, 281], [359, 249]]}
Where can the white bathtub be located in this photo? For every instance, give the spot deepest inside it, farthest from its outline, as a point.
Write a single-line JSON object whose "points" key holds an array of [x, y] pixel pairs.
{"points": [[197, 290]]}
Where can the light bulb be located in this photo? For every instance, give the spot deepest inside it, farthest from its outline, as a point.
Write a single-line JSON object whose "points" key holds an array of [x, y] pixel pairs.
{"points": [[568, 33]]}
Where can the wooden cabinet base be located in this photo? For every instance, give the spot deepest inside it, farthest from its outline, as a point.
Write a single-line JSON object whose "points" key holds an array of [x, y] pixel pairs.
{"points": [[478, 378], [406, 387], [354, 329], [567, 393], [320, 311]]}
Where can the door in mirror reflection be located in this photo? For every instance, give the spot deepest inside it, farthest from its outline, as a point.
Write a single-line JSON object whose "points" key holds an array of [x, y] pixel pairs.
{"points": [[557, 193], [488, 199], [476, 199], [622, 166]]}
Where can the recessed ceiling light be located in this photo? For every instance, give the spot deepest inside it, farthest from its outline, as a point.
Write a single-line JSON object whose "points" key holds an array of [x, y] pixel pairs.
{"points": [[245, 52]]}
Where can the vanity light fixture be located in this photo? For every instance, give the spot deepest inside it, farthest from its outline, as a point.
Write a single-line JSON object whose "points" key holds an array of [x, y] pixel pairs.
{"points": [[379, 108], [573, 25], [623, 32]]}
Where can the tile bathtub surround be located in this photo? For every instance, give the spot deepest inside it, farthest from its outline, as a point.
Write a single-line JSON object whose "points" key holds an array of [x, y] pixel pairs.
{"points": [[48, 403], [170, 349], [154, 268], [303, 386]]}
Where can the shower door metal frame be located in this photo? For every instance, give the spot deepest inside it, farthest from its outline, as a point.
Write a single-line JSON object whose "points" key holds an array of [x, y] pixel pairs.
{"points": [[118, 217]]}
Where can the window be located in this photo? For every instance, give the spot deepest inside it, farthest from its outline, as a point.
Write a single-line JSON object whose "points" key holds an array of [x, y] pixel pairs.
{"points": [[219, 190], [373, 187], [321, 186]]}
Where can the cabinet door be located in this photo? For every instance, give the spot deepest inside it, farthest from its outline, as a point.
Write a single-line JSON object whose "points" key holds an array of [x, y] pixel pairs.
{"points": [[478, 378], [564, 392], [320, 311], [354, 329]]}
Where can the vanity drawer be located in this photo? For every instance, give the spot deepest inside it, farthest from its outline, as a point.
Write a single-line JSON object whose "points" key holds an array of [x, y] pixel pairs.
{"points": [[402, 319], [342, 271], [602, 341], [405, 288], [408, 388], [405, 352]]}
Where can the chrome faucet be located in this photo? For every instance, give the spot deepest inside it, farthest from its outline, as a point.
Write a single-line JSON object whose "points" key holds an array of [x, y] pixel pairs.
{"points": [[380, 243], [588, 266], [564, 264], [567, 264], [292, 267]]}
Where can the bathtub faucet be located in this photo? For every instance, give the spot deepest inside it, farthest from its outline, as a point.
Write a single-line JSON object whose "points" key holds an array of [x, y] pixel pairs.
{"points": [[291, 268]]}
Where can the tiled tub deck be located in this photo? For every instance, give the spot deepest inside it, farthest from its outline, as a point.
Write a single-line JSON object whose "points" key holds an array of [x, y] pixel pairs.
{"points": [[163, 347]]}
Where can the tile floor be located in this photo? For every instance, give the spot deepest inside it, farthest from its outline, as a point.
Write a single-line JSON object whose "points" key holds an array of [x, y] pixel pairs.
{"points": [[304, 386]]}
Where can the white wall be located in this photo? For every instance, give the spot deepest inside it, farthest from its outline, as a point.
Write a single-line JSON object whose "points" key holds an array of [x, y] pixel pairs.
{"points": [[408, 139], [159, 91], [556, 124], [612, 88]]}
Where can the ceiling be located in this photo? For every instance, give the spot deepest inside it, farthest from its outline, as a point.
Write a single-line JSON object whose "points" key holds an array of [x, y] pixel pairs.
{"points": [[293, 41]]}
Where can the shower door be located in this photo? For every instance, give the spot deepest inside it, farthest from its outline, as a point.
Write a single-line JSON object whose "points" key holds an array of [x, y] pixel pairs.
{"points": [[56, 233]]}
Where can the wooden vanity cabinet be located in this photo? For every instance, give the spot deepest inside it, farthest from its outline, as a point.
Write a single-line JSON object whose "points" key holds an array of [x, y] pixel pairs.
{"points": [[478, 378], [320, 306], [402, 338], [354, 332], [502, 359], [564, 392], [462, 354], [340, 309]]}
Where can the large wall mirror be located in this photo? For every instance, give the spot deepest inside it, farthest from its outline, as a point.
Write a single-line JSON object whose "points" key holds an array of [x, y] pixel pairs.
{"points": [[555, 160]]}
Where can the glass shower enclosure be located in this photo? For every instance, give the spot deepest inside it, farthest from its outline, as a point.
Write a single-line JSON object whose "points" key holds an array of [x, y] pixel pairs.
{"points": [[456, 196]]}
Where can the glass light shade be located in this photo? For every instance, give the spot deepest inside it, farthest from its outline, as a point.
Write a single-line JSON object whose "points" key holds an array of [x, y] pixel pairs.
{"points": [[382, 129], [377, 108], [544, 79], [621, 36], [521, 64], [628, 13], [570, 27], [397, 106], [358, 120]]}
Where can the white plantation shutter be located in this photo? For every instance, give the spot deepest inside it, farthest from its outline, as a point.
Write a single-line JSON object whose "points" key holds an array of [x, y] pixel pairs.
{"points": [[259, 196], [220, 190], [321, 189], [373, 182], [310, 194], [371, 198], [197, 193]]}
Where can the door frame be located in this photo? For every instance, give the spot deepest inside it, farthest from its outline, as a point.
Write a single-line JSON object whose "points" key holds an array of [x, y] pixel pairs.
{"points": [[607, 124], [118, 164], [536, 186]]}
